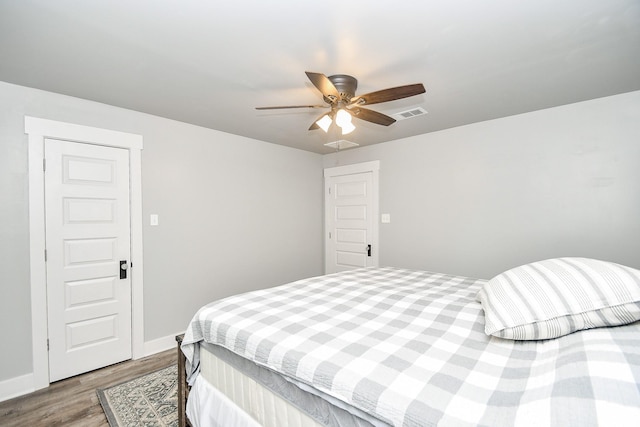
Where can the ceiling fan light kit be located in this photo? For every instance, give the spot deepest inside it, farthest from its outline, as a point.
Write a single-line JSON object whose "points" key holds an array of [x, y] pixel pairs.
{"points": [[343, 119], [324, 122], [339, 92]]}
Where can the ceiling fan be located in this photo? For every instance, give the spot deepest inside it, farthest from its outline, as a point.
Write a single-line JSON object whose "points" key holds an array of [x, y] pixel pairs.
{"points": [[339, 92]]}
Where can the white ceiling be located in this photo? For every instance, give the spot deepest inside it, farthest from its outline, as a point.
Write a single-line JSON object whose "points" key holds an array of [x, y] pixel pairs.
{"points": [[210, 63]]}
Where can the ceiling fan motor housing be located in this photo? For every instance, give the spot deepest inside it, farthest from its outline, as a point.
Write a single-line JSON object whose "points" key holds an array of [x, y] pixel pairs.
{"points": [[345, 85]]}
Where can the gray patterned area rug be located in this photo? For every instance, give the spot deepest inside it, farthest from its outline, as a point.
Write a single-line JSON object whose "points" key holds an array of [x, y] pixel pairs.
{"points": [[150, 400]]}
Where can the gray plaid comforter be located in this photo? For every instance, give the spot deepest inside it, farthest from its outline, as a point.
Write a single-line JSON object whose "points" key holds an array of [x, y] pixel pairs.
{"points": [[409, 348]]}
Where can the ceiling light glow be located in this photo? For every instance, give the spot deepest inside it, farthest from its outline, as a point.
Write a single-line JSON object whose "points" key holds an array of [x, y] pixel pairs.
{"points": [[324, 123]]}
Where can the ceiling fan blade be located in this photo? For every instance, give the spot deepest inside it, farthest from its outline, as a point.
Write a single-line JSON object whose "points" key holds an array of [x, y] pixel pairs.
{"points": [[291, 106], [372, 116], [389, 94], [324, 85]]}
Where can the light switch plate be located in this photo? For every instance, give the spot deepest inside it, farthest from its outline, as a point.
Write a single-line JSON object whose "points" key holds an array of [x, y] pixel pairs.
{"points": [[385, 218], [153, 219]]}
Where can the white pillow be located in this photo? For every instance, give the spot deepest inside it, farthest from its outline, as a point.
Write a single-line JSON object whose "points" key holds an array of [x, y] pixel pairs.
{"points": [[555, 297]]}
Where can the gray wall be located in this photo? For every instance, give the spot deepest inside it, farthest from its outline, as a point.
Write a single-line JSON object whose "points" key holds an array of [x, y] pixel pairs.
{"points": [[479, 199], [235, 214]]}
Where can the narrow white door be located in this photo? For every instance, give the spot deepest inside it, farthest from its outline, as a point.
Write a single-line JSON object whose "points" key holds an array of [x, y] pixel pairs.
{"points": [[349, 222], [88, 255]]}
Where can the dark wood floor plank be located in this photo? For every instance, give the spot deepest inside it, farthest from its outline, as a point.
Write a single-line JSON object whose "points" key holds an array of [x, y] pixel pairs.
{"points": [[73, 402]]}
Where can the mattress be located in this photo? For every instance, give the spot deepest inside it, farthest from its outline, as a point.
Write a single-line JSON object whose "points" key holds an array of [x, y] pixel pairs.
{"points": [[234, 391], [408, 348]]}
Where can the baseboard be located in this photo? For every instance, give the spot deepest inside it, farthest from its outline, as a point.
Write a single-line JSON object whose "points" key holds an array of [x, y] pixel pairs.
{"points": [[24, 384], [14, 387], [160, 344]]}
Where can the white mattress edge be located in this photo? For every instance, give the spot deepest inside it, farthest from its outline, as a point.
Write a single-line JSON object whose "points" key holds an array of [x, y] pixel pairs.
{"points": [[244, 398]]}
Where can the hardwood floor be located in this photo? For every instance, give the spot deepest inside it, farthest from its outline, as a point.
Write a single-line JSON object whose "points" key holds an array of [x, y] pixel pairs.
{"points": [[73, 402]]}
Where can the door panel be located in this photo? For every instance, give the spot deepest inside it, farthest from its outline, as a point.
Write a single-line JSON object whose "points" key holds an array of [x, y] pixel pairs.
{"points": [[83, 211], [349, 221], [87, 235], [83, 292]]}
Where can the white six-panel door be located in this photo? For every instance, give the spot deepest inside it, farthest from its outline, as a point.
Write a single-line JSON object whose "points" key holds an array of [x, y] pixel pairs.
{"points": [[87, 240]]}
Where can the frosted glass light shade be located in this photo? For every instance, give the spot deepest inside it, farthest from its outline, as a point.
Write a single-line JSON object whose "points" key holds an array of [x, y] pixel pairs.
{"points": [[347, 128], [343, 118], [324, 123]]}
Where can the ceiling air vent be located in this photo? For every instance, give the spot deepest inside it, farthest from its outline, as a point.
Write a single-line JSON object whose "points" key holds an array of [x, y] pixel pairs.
{"points": [[414, 112], [341, 144]]}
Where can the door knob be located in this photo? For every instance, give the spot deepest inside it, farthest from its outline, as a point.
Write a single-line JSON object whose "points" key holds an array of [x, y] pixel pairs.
{"points": [[123, 269]]}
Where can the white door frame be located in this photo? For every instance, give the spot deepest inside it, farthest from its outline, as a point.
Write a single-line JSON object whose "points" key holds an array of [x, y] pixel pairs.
{"points": [[374, 168], [37, 130]]}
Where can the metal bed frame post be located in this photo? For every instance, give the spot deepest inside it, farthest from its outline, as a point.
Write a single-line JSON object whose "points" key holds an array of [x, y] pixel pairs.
{"points": [[183, 387]]}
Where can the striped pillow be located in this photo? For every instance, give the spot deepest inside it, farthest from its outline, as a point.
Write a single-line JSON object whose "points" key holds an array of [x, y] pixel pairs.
{"points": [[555, 297]]}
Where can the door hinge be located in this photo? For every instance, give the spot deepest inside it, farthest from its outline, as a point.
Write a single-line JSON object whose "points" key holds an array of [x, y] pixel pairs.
{"points": [[44, 165], [45, 255], [329, 190], [329, 234], [47, 344]]}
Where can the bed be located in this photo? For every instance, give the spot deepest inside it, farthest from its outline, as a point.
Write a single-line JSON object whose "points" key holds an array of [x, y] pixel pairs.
{"points": [[551, 343]]}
